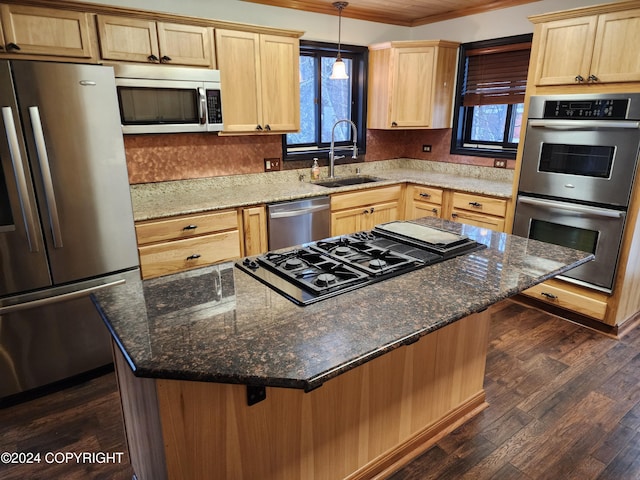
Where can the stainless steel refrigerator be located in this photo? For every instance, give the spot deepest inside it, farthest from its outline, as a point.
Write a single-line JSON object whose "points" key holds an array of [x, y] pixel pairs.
{"points": [[66, 222]]}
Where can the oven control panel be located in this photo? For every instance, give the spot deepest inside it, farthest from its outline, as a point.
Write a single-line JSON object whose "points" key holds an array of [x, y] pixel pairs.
{"points": [[611, 109]]}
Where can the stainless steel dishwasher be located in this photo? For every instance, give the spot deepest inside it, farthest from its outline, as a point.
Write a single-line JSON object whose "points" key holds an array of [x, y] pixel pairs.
{"points": [[298, 221]]}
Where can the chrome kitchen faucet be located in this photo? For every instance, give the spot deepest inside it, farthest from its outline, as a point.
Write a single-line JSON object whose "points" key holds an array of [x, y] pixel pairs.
{"points": [[332, 155]]}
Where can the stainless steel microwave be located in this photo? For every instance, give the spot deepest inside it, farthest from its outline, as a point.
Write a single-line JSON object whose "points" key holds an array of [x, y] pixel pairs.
{"points": [[167, 99]]}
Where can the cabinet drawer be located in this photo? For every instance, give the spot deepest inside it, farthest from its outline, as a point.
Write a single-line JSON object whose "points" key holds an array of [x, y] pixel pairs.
{"points": [[570, 298], [185, 226], [175, 256], [480, 204], [478, 220], [363, 198], [427, 194]]}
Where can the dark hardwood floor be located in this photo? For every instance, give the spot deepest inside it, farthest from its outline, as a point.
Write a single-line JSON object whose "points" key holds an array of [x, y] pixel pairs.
{"points": [[564, 403]]}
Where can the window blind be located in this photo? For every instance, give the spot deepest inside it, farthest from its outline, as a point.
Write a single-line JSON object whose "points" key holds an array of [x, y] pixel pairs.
{"points": [[496, 75]]}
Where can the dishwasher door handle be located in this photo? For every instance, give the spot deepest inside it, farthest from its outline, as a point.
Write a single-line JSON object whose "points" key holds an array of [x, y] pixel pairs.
{"points": [[298, 212]]}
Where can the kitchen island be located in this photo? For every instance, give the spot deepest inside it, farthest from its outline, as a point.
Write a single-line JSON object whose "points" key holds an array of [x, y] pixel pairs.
{"points": [[221, 377]]}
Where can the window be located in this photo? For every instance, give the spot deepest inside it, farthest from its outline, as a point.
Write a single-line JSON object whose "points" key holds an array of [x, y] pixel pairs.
{"points": [[492, 79], [324, 101]]}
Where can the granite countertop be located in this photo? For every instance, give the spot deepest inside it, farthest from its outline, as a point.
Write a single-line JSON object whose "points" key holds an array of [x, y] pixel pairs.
{"points": [[219, 324], [165, 199]]}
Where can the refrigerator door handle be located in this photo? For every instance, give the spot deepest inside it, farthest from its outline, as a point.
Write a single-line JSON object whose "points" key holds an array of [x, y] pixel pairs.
{"points": [[45, 168], [21, 179]]}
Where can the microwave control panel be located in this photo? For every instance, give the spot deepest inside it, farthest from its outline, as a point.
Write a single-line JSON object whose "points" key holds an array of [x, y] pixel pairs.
{"points": [[214, 106], [611, 109]]}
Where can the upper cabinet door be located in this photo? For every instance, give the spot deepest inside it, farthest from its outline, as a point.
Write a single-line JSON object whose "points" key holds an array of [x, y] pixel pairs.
{"points": [[279, 65], [565, 52], [615, 53], [411, 103], [47, 31], [128, 39], [185, 44], [239, 64]]}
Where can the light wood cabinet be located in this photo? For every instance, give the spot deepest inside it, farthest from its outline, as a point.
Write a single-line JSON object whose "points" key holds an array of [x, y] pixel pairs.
{"points": [[254, 224], [588, 49], [181, 243], [29, 31], [260, 74], [362, 210], [423, 202], [479, 210], [571, 297], [411, 84], [139, 40]]}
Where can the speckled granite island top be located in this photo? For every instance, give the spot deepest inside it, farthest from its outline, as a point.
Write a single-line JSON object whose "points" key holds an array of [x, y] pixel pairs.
{"points": [[218, 324]]}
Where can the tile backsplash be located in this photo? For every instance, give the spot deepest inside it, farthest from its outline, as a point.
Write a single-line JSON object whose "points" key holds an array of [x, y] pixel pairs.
{"points": [[159, 158]]}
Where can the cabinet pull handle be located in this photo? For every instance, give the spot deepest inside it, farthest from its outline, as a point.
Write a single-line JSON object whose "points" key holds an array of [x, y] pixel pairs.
{"points": [[371, 210], [165, 59], [11, 47], [267, 127], [475, 204], [550, 296], [366, 212], [258, 127], [194, 256], [454, 215], [394, 124], [579, 78], [152, 58], [592, 78], [434, 210], [190, 227], [425, 195]]}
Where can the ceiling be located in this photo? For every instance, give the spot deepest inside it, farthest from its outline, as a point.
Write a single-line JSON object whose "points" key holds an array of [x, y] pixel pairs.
{"points": [[408, 13]]}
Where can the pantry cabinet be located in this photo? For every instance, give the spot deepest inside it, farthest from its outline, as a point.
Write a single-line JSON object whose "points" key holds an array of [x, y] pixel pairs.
{"points": [[32, 31], [587, 49], [184, 242], [261, 79], [362, 210], [411, 84], [140, 40]]}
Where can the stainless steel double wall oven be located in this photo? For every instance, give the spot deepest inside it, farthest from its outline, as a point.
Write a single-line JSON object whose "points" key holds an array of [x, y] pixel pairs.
{"points": [[578, 168]]}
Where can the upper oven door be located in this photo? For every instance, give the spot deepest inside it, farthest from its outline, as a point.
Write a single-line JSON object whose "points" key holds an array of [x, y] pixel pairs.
{"points": [[585, 160]]}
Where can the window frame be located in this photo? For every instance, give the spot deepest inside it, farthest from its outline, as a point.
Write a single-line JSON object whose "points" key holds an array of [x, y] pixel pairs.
{"points": [[461, 142], [359, 56]]}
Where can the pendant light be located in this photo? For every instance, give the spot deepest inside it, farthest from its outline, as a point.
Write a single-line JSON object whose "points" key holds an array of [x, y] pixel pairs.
{"points": [[339, 71]]}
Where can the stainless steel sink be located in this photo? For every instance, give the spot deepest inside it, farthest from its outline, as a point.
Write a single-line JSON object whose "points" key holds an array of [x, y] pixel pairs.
{"points": [[344, 181]]}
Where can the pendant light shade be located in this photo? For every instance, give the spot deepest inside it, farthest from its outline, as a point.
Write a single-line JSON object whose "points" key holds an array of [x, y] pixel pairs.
{"points": [[339, 71]]}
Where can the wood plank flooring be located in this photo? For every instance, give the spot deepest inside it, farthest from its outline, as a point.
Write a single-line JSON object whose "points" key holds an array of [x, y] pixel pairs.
{"points": [[564, 403]]}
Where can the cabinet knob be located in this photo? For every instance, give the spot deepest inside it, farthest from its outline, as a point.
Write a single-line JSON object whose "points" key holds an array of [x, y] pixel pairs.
{"points": [[165, 59], [454, 215], [267, 127], [579, 78], [190, 227], [152, 58], [593, 78], [434, 210], [475, 204], [259, 127], [194, 256], [394, 124], [550, 296], [366, 212], [425, 195], [12, 47]]}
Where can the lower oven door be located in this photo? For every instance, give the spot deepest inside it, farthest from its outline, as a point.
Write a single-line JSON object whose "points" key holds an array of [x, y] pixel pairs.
{"points": [[590, 229]]}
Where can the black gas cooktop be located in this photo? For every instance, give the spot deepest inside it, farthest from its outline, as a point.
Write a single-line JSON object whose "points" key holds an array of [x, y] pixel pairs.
{"points": [[325, 268]]}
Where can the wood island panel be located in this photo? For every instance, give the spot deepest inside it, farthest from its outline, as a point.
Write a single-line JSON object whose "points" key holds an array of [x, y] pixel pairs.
{"points": [[358, 425]]}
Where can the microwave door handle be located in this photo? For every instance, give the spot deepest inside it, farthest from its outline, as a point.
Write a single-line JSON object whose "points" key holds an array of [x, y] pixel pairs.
{"points": [[203, 105], [45, 169], [21, 179], [579, 209], [583, 124]]}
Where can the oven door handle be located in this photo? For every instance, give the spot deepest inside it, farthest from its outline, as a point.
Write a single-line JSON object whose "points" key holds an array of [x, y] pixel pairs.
{"points": [[583, 124], [586, 211]]}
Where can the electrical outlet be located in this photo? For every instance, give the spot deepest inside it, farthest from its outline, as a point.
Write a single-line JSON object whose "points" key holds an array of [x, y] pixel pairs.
{"points": [[499, 163], [271, 164], [426, 148]]}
